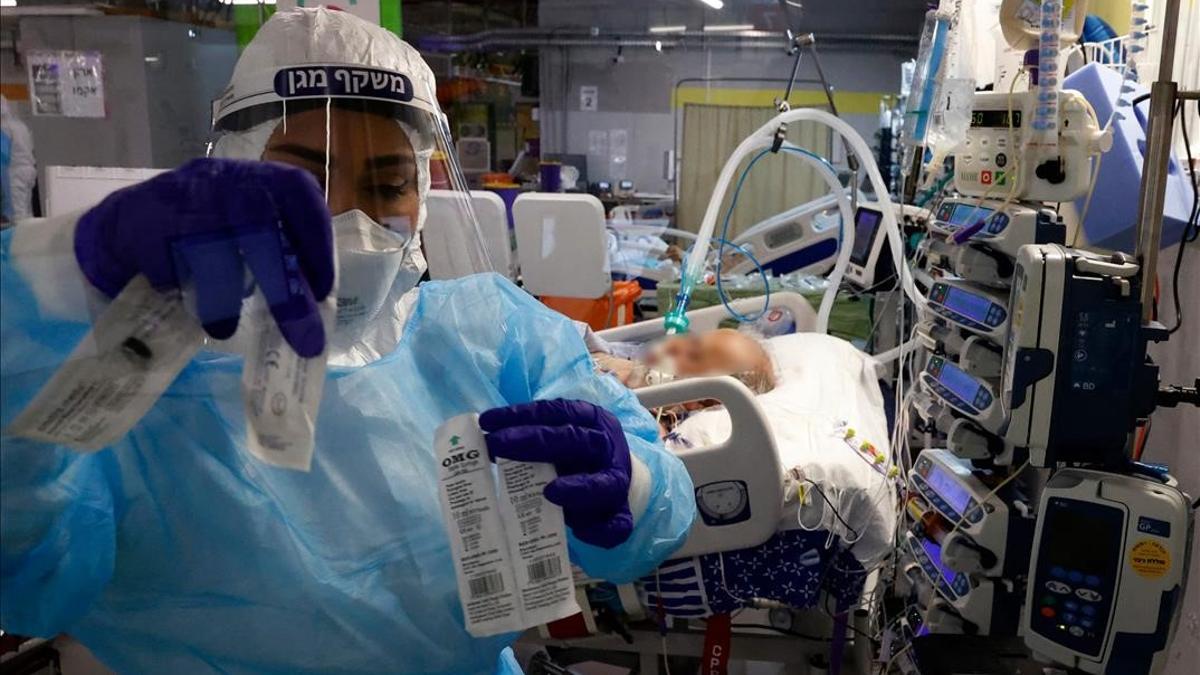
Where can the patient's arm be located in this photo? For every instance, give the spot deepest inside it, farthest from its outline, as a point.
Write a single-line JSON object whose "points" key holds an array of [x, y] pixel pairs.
{"points": [[629, 373]]}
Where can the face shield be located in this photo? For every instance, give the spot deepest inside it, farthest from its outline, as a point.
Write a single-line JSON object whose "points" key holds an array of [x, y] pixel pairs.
{"points": [[375, 142]]}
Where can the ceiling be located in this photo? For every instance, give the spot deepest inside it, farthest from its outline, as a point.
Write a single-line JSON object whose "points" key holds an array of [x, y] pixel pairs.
{"points": [[847, 17]]}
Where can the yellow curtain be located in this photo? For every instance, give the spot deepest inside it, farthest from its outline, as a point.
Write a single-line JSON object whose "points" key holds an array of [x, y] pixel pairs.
{"points": [[777, 182]]}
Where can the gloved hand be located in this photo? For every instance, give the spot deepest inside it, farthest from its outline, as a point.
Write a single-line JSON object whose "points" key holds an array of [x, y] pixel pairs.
{"points": [[587, 447], [205, 223]]}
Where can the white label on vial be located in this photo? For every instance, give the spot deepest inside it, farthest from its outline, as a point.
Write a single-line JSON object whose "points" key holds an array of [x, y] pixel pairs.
{"points": [[281, 391], [116, 373], [472, 519], [510, 551], [537, 541]]}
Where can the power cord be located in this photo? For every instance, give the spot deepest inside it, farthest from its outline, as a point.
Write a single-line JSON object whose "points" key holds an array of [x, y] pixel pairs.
{"points": [[1192, 229]]}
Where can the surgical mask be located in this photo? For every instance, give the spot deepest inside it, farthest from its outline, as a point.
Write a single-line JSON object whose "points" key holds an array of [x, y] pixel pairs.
{"points": [[375, 263]]}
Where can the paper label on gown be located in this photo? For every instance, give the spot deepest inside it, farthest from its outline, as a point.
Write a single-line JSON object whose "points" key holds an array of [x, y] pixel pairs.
{"points": [[509, 548], [116, 373]]}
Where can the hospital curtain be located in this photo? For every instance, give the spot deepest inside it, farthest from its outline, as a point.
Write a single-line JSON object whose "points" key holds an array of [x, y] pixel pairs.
{"points": [[777, 183]]}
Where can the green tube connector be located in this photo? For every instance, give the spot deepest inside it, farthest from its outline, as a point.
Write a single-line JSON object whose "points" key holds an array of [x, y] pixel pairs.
{"points": [[676, 321]]}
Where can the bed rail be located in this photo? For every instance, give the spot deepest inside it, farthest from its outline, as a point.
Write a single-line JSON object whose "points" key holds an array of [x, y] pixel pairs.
{"points": [[709, 318], [739, 482]]}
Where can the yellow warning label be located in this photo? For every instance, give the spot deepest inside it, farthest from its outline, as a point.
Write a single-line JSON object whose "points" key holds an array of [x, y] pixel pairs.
{"points": [[1150, 559]]}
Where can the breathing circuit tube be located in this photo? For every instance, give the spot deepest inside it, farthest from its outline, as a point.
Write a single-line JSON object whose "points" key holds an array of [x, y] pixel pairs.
{"points": [[676, 320], [845, 236]]}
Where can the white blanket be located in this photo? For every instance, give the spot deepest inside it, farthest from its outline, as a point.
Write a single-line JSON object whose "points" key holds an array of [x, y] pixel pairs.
{"points": [[825, 387]]}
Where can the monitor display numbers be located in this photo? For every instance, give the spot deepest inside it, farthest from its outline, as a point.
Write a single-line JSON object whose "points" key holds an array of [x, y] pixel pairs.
{"points": [[996, 119]]}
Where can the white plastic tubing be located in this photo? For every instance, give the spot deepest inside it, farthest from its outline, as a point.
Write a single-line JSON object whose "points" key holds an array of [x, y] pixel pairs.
{"points": [[763, 138]]}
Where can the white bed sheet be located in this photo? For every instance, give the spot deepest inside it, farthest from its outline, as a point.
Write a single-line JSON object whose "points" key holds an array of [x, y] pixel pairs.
{"points": [[824, 386]]}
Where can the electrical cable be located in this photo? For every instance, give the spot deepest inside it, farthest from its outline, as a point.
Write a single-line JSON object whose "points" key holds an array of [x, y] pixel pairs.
{"points": [[849, 624], [837, 515], [1192, 228]]}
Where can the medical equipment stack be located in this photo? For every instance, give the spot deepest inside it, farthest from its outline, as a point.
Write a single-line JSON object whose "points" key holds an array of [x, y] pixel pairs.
{"points": [[1029, 516]]}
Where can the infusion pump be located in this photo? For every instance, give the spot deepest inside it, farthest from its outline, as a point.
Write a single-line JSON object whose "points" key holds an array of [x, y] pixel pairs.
{"points": [[995, 152], [1107, 577]]}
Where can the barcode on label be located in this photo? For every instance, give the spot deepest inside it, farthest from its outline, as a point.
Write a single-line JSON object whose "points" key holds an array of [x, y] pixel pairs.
{"points": [[487, 584], [544, 569]]}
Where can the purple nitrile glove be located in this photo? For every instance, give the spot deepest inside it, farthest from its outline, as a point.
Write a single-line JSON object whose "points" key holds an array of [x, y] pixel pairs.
{"points": [[587, 447], [204, 224]]}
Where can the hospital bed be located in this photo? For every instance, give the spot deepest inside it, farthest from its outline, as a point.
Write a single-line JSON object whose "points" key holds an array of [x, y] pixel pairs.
{"points": [[743, 459], [802, 239], [634, 247]]}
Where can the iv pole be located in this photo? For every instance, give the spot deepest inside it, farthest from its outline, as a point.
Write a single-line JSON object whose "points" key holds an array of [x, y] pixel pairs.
{"points": [[1164, 93]]}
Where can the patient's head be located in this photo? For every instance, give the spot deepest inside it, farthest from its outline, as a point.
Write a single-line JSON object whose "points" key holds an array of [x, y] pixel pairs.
{"points": [[720, 352]]}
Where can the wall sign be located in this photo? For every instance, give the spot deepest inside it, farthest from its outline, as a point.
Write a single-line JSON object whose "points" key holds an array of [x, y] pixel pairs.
{"points": [[66, 84], [588, 98]]}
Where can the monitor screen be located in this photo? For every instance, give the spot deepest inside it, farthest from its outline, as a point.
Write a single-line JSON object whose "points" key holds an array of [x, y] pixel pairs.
{"points": [[934, 551], [955, 494], [968, 214], [866, 224], [968, 304], [963, 385]]}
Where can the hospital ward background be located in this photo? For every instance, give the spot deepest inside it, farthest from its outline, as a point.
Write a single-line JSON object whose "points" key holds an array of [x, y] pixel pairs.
{"points": [[600, 338]]}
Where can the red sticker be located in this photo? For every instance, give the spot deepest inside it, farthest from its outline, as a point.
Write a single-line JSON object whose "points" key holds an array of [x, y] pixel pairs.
{"points": [[716, 645]]}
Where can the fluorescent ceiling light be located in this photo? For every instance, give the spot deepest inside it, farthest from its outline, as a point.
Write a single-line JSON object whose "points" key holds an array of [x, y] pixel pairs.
{"points": [[668, 29], [728, 27], [8, 3], [715, 4]]}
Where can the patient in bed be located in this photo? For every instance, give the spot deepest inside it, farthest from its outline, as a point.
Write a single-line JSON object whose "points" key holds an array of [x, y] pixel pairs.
{"points": [[719, 352]]}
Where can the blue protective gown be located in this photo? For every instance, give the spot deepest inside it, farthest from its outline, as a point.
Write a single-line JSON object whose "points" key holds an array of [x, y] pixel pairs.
{"points": [[176, 551]]}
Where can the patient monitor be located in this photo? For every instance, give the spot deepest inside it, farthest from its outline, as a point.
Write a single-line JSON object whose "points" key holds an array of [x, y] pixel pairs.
{"points": [[870, 265]]}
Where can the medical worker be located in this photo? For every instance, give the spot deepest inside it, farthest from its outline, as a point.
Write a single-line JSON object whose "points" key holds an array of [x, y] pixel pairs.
{"points": [[18, 169], [175, 550]]}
